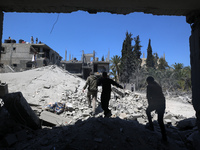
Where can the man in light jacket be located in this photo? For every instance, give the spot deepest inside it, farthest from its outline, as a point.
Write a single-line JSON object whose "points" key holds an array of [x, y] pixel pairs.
{"points": [[91, 83]]}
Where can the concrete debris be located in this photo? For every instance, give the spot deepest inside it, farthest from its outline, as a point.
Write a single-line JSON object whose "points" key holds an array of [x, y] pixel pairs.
{"points": [[118, 91], [54, 119], [19, 109], [75, 128]]}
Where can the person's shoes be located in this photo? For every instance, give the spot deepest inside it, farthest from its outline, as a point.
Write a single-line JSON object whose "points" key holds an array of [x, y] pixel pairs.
{"points": [[149, 127], [108, 115]]}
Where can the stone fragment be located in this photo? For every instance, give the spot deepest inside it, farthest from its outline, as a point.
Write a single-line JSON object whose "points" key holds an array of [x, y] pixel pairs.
{"points": [[54, 118], [174, 121], [122, 115], [140, 106], [167, 121], [168, 116], [141, 120], [118, 91], [69, 107], [131, 111], [47, 86], [135, 116]]}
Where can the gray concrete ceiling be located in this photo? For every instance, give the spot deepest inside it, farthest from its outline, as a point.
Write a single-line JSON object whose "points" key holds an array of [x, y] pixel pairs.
{"points": [[156, 7]]}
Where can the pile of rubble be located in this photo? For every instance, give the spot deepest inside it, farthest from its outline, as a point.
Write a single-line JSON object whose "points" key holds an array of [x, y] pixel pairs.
{"points": [[74, 127]]}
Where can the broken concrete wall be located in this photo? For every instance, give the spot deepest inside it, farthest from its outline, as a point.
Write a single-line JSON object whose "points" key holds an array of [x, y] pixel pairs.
{"points": [[16, 55], [20, 110], [195, 67]]}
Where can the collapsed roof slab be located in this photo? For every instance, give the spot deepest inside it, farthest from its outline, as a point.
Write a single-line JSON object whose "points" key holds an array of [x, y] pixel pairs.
{"points": [[155, 7]]}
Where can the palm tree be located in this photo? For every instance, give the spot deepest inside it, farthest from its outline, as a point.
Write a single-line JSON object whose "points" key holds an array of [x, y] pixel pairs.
{"points": [[183, 75], [113, 73], [115, 62]]}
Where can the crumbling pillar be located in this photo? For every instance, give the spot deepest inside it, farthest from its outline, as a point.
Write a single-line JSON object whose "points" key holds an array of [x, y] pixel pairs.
{"points": [[194, 20], [1, 30], [93, 61]]}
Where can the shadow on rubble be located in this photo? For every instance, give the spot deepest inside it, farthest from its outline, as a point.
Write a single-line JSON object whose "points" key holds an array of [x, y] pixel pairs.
{"points": [[95, 133], [22, 131]]}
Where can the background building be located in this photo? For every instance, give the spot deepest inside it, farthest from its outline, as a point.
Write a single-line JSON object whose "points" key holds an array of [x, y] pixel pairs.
{"points": [[23, 55], [87, 63]]}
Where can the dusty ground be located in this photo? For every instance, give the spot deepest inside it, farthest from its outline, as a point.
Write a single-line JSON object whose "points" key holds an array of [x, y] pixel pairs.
{"points": [[52, 84]]}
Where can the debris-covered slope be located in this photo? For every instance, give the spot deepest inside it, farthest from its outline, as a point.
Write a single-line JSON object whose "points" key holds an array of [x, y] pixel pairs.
{"points": [[42, 85], [75, 128]]}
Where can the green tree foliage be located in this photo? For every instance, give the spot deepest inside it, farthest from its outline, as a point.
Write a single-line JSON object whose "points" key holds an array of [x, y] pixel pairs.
{"points": [[136, 76], [115, 62], [150, 58], [182, 76], [113, 74], [164, 77], [155, 59], [137, 48], [126, 59], [172, 78], [178, 70], [162, 64]]}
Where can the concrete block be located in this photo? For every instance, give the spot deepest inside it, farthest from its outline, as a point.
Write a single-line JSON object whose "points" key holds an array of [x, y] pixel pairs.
{"points": [[135, 116], [168, 116], [118, 92], [19, 109], [139, 106], [122, 115], [141, 120], [167, 121], [54, 118], [47, 86]]}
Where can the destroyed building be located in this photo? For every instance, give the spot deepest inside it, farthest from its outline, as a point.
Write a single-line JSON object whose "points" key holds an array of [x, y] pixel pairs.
{"points": [[139, 140], [17, 57], [87, 63]]}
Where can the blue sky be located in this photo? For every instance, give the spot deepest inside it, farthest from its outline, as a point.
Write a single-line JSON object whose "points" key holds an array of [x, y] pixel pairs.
{"points": [[102, 32]]}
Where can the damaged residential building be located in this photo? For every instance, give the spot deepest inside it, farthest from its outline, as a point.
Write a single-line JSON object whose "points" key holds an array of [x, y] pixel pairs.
{"points": [[88, 63], [22, 56]]}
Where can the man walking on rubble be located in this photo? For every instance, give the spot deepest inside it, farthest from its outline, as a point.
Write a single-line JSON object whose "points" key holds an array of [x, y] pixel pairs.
{"points": [[106, 82], [91, 82], [156, 101]]}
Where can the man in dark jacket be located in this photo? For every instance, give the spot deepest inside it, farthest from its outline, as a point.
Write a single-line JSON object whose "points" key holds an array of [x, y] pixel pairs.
{"points": [[156, 101], [106, 82], [91, 83]]}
